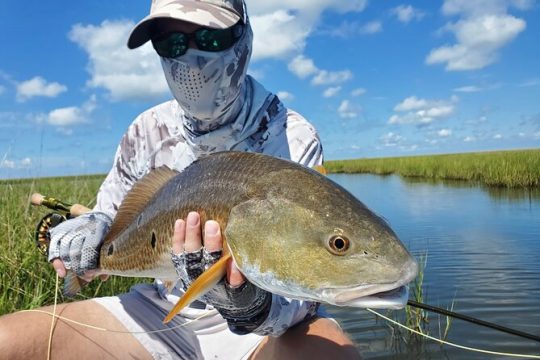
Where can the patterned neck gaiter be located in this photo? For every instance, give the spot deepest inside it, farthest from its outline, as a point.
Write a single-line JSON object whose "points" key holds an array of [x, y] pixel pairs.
{"points": [[210, 86]]}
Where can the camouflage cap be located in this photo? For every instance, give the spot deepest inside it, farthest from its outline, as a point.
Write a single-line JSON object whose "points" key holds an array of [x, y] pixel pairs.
{"points": [[217, 14]]}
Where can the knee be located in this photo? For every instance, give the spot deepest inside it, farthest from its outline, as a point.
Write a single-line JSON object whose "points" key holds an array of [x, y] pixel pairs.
{"points": [[318, 338], [8, 337], [17, 337], [328, 329]]}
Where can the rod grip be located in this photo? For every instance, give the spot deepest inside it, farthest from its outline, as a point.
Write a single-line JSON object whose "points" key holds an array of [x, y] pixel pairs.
{"points": [[36, 199], [74, 210], [78, 209]]}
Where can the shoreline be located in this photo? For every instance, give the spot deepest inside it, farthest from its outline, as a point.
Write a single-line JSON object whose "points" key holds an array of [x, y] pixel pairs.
{"points": [[511, 168]]}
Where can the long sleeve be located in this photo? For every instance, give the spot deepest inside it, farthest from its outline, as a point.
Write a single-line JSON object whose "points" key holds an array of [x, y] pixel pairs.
{"points": [[128, 167]]}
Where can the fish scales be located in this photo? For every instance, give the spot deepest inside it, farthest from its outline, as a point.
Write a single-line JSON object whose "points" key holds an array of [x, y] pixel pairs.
{"points": [[291, 230], [211, 186]]}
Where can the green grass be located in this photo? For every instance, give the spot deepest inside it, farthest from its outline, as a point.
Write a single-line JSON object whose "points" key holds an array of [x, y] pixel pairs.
{"points": [[520, 168], [405, 342], [26, 279]]}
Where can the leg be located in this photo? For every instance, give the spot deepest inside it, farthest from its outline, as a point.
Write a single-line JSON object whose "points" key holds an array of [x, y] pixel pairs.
{"points": [[26, 335], [316, 339]]}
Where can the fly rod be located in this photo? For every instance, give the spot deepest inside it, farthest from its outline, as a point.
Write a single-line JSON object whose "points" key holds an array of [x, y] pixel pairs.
{"points": [[73, 210], [472, 320]]}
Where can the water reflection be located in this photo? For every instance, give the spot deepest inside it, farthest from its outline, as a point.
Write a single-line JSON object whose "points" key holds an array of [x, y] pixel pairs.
{"points": [[495, 192], [483, 255]]}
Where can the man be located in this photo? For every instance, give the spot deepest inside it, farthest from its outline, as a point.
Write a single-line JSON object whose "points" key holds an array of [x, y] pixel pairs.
{"points": [[204, 47]]}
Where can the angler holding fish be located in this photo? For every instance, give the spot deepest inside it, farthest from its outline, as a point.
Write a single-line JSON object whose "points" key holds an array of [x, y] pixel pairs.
{"points": [[297, 237]]}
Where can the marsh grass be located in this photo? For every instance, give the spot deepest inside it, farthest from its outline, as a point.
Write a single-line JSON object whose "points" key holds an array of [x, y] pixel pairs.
{"points": [[417, 319], [26, 279], [520, 168]]}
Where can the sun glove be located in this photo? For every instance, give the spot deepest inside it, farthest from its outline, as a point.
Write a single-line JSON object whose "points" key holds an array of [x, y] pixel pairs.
{"points": [[77, 241], [244, 308]]}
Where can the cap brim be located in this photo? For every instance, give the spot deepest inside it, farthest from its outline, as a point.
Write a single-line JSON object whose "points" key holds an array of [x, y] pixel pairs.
{"points": [[204, 14]]}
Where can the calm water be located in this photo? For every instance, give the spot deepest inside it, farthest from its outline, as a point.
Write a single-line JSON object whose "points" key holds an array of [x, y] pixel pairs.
{"points": [[483, 254]]}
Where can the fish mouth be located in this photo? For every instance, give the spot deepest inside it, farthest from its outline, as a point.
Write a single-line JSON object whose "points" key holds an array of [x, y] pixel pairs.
{"points": [[377, 296], [392, 299]]}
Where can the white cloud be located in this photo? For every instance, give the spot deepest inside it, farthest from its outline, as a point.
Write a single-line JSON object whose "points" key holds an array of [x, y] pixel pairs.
{"points": [[310, 7], [72, 115], [332, 77], [66, 116], [411, 103], [295, 21], [421, 111], [290, 39], [483, 29], [347, 110], [497, 136], [125, 74], [7, 164], [285, 96], [391, 139], [479, 7], [406, 13], [468, 89], [475, 88], [38, 86], [444, 132], [350, 29], [436, 112], [358, 92], [371, 27], [530, 82], [469, 139], [332, 91], [26, 162], [302, 67]]}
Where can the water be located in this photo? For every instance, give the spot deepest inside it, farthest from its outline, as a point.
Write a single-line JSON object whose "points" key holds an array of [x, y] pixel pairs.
{"points": [[483, 254]]}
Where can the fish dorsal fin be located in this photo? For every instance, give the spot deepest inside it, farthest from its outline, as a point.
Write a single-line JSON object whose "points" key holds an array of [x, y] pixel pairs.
{"points": [[138, 197], [320, 169]]}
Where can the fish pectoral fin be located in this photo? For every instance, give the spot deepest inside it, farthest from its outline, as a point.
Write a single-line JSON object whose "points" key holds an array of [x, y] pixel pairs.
{"points": [[73, 284], [201, 286]]}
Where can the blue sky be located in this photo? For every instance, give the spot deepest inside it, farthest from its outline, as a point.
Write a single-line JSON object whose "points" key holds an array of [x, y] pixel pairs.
{"points": [[377, 78]]}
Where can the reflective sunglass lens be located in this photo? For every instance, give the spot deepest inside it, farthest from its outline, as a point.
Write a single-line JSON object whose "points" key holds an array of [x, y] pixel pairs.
{"points": [[210, 40], [176, 44], [218, 39], [172, 46]]}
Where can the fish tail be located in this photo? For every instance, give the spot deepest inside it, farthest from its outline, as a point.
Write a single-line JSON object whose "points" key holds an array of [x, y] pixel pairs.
{"points": [[73, 284]]}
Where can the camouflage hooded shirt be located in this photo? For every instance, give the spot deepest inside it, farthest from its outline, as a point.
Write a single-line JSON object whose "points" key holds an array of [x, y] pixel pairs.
{"points": [[165, 136]]}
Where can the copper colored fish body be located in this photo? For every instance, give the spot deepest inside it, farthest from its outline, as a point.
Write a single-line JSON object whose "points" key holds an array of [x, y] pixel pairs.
{"points": [[291, 230]]}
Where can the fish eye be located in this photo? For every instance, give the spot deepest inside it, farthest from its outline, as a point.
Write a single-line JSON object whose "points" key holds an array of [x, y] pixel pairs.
{"points": [[339, 245]]}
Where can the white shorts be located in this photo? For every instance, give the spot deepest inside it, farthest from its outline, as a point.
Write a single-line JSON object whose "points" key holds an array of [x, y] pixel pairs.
{"points": [[196, 333]]}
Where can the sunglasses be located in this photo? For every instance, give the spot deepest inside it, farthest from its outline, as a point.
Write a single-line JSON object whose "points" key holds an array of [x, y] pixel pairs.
{"points": [[175, 44]]}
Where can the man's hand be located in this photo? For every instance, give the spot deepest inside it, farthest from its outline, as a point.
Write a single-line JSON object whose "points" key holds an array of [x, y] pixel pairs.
{"points": [[187, 237], [241, 303], [75, 244]]}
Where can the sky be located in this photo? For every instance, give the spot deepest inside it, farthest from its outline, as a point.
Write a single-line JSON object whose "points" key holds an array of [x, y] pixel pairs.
{"points": [[377, 78]]}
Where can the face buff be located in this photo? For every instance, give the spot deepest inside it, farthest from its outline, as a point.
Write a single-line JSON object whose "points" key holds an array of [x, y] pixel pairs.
{"points": [[208, 85]]}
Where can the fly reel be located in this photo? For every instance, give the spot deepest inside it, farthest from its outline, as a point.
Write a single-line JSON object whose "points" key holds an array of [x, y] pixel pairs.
{"points": [[42, 236]]}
